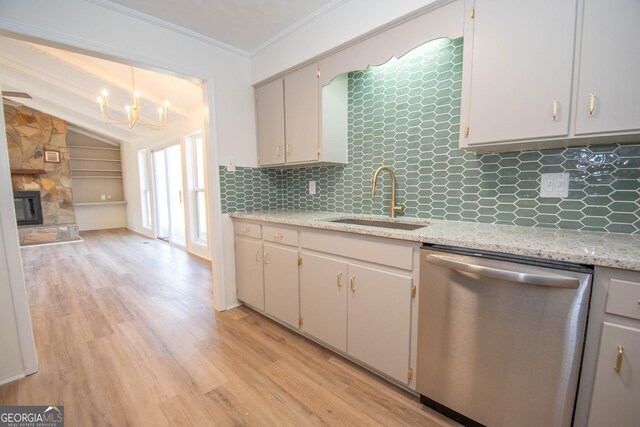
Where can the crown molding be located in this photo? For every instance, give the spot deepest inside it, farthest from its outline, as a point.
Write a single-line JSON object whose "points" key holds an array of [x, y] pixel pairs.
{"points": [[169, 26], [29, 33], [298, 25]]}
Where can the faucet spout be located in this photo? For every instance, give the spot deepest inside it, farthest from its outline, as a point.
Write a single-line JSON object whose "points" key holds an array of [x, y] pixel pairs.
{"points": [[393, 206]]}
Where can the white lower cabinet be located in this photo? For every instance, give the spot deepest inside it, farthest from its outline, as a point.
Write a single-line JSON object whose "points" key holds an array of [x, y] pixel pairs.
{"points": [[249, 274], [379, 320], [353, 293], [609, 393], [281, 283], [323, 299], [616, 390], [363, 311]]}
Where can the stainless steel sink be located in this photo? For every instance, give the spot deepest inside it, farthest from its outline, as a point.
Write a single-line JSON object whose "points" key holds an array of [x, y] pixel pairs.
{"points": [[381, 223]]}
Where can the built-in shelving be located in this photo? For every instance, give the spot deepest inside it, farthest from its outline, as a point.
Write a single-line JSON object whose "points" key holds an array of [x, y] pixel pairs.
{"points": [[96, 160], [101, 203], [97, 177], [96, 170], [86, 147]]}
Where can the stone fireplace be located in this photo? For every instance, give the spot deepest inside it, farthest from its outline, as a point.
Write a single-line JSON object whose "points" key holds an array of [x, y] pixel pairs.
{"points": [[30, 134]]}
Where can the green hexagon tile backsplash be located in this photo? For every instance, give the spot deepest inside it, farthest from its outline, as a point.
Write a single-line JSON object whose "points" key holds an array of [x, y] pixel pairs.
{"points": [[406, 114]]}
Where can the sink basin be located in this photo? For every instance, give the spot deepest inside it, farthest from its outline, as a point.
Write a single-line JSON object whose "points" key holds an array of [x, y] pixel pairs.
{"points": [[380, 223]]}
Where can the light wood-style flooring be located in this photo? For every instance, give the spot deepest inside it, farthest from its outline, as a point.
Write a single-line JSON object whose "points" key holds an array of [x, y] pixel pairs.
{"points": [[126, 334]]}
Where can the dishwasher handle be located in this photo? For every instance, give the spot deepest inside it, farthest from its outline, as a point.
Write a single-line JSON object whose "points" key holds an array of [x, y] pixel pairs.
{"points": [[499, 273]]}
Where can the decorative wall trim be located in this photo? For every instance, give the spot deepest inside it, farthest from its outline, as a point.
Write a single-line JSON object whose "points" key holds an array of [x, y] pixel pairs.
{"points": [[169, 26], [298, 25], [378, 30]]}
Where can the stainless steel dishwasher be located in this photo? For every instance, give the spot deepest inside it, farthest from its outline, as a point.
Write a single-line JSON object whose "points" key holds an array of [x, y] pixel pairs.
{"points": [[500, 337]]}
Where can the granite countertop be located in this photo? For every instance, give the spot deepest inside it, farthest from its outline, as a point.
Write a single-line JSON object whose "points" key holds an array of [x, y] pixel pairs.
{"points": [[582, 247]]}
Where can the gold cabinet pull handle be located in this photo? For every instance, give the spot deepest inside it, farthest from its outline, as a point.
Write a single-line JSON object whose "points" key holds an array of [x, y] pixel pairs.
{"points": [[554, 110], [246, 230], [258, 256], [278, 236], [352, 284], [288, 149], [278, 150], [618, 366], [339, 279], [266, 258], [592, 103]]}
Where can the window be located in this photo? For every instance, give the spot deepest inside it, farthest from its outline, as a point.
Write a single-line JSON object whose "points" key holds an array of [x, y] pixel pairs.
{"points": [[199, 187], [145, 196]]}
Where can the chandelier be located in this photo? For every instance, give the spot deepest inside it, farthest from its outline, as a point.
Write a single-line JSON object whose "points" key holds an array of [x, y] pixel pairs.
{"points": [[133, 111]]}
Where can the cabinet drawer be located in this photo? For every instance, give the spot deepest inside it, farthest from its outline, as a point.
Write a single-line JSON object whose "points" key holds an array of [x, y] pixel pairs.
{"points": [[357, 247], [285, 236], [247, 229], [623, 299]]}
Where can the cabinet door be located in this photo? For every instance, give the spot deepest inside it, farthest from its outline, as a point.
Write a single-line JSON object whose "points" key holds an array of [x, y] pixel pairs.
{"points": [[270, 123], [281, 298], [249, 283], [519, 63], [301, 114], [609, 68], [323, 299], [379, 327], [616, 395]]}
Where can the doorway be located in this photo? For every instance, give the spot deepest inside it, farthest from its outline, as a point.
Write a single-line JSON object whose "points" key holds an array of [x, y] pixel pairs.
{"points": [[169, 195]]}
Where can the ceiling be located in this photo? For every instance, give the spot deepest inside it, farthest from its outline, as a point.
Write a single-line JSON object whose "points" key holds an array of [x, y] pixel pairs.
{"points": [[245, 25], [66, 85]]}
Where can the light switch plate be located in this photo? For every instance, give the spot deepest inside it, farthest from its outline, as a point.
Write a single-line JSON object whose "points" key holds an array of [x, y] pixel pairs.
{"points": [[554, 185]]}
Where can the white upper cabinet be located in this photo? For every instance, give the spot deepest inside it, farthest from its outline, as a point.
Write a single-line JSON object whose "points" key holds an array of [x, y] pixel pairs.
{"points": [[270, 122], [608, 98], [301, 115], [296, 125], [550, 74], [518, 67]]}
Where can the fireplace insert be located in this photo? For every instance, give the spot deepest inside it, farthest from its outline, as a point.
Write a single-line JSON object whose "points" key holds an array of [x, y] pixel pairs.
{"points": [[28, 207]]}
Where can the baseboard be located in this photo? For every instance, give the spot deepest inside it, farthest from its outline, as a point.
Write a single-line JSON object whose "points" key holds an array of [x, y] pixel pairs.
{"points": [[12, 379]]}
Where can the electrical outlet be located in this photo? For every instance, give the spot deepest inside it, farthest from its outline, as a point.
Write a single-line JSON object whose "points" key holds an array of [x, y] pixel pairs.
{"points": [[554, 185], [312, 187], [108, 196], [103, 197], [231, 165]]}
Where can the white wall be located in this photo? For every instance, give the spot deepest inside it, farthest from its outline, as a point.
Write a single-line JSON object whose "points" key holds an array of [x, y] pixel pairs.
{"points": [[17, 349], [342, 24]]}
